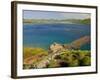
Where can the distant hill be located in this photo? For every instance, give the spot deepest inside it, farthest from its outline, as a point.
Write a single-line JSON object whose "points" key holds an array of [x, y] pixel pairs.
{"points": [[81, 21], [66, 21]]}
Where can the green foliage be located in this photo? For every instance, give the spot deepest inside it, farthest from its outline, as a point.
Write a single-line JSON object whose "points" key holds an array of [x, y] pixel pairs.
{"points": [[66, 55], [81, 21], [74, 63], [53, 64], [86, 61], [85, 21], [75, 57]]}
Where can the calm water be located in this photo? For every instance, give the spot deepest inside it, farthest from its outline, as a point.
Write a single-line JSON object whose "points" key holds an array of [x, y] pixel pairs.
{"points": [[43, 35]]}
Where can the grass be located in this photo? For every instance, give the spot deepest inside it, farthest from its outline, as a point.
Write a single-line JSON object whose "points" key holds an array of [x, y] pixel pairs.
{"points": [[28, 52]]}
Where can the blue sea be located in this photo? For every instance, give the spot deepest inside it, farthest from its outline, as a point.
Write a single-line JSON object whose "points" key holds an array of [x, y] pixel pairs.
{"points": [[43, 35]]}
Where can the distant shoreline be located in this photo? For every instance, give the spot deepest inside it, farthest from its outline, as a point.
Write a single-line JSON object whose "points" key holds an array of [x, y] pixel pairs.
{"points": [[51, 21]]}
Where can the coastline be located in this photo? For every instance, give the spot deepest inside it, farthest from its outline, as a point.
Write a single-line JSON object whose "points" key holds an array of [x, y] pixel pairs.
{"points": [[51, 21]]}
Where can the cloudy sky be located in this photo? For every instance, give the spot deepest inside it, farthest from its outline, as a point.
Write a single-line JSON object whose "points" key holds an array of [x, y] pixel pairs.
{"points": [[28, 14]]}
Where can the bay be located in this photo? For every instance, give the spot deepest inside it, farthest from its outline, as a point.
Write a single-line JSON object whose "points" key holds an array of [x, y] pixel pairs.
{"points": [[43, 35]]}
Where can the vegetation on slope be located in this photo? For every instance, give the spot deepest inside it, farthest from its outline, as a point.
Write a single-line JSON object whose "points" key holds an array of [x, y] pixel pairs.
{"points": [[67, 58], [71, 58], [58, 55], [82, 21], [28, 52]]}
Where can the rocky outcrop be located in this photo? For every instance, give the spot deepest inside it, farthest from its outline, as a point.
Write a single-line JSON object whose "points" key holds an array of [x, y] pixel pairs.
{"points": [[56, 47]]}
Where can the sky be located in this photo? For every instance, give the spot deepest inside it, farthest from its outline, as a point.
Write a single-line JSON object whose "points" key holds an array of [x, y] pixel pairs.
{"points": [[31, 14]]}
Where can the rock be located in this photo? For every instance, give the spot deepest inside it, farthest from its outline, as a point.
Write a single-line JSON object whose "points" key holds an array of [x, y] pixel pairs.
{"points": [[56, 47]]}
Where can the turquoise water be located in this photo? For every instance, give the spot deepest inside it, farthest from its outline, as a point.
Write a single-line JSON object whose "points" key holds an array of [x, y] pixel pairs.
{"points": [[43, 35]]}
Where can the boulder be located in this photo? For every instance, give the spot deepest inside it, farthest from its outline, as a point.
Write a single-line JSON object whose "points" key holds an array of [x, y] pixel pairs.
{"points": [[56, 47]]}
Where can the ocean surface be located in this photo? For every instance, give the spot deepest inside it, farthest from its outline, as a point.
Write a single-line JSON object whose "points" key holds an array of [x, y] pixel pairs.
{"points": [[43, 35]]}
